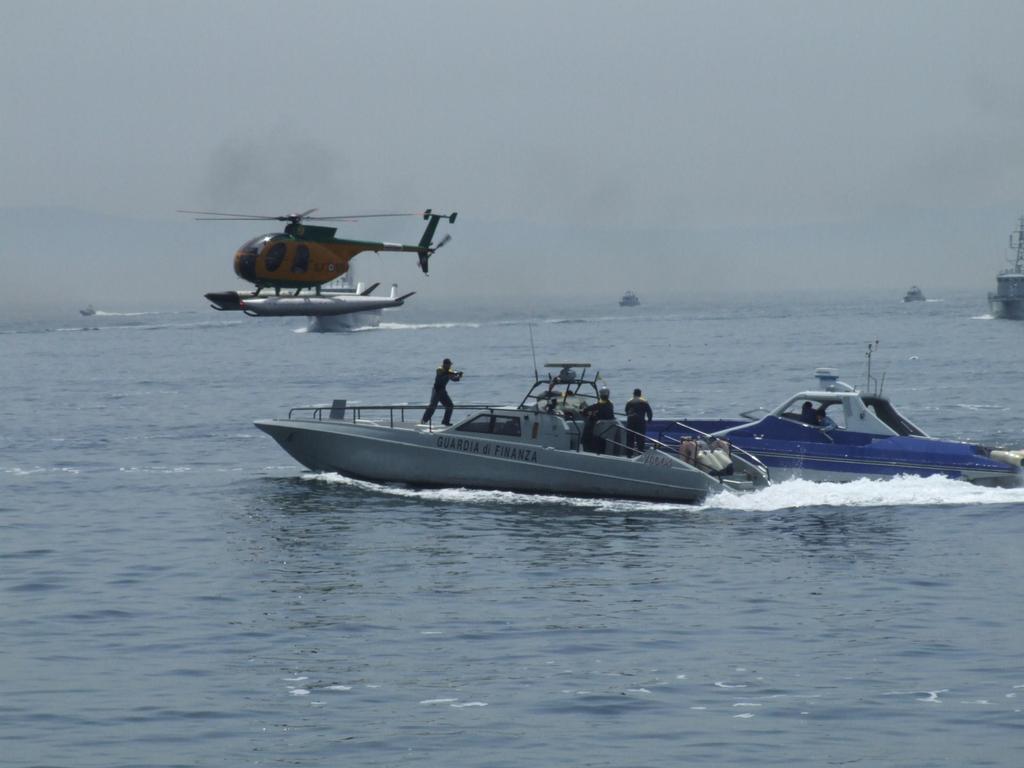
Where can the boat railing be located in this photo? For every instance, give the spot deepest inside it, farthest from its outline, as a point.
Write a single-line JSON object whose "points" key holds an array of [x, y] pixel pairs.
{"points": [[340, 410], [605, 428], [625, 448], [573, 388], [754, 467], [733, 449]]}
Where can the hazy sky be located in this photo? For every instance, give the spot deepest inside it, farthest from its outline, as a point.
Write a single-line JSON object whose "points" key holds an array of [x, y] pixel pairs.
{"points": [[640, 142]]}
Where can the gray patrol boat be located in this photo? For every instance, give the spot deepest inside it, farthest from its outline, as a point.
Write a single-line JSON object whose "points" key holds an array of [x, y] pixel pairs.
{"points": [[1008, 300], [542, 445]]}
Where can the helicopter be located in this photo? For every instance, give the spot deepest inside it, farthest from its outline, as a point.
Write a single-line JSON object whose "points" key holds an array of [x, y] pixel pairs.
{"points": [[309, 256]]}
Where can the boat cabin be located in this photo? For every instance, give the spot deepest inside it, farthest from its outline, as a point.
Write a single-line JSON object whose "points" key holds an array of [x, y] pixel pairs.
{"points": [[867, 414], [551, 413], [528, 426]]}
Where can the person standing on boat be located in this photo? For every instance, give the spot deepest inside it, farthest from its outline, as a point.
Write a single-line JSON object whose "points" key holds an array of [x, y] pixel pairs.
{"points": [[602, 410], [638, 413], [439, 393]]}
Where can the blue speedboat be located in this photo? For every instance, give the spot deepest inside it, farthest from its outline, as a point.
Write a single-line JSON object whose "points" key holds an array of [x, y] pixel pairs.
{"points": [[835, 433]]}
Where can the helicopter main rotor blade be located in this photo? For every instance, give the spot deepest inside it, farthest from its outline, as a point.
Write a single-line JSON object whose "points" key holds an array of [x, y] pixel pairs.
{"points": [[217, 215], [294, 217], [358, 216], [221, 215]]}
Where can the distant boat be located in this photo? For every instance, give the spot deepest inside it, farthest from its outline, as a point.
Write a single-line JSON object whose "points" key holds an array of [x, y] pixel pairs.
{"points": [[88, 311], [914, 294], [629, 299], [1008, 300]]}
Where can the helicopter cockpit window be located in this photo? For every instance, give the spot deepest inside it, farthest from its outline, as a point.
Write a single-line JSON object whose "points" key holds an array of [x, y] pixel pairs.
{"points": [[275, 256], [301, 261], [251, 247]]}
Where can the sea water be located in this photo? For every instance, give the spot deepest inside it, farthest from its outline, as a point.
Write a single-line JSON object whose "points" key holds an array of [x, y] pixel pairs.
{"points": [[176, 591]]}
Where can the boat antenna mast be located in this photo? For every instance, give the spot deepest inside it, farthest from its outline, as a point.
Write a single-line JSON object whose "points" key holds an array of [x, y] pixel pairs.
{"points": [[872, 348], [1017, 244], [536, 376]]}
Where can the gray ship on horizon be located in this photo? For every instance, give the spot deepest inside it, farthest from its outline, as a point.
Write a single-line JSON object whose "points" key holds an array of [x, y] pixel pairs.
{"points": [[1008, 300]]}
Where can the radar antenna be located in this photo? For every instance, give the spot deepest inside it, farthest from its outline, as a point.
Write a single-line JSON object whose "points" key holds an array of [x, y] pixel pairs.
{"points": [[1017, 244], [872, 347]]}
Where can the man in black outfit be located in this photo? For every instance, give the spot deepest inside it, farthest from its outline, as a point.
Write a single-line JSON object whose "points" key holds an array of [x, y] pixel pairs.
{"points": [[602, 410], [638, 413], [439, 394]]}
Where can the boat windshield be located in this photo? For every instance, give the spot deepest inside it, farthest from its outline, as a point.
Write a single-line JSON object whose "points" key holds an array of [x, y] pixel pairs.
{"points": [[815, 411]]}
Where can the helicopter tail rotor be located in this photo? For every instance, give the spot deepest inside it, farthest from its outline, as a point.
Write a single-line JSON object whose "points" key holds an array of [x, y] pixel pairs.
{"points": [[426, 248]]}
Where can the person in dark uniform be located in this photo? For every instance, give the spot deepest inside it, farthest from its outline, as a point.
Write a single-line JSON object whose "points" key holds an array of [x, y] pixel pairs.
{"points": [[439, 393], [638, 413], [600, 411], [807, 414]]}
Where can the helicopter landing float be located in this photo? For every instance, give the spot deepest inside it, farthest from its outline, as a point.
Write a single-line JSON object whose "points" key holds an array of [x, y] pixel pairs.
{"points": [[308, 256], [327, 302], [323, 305]]}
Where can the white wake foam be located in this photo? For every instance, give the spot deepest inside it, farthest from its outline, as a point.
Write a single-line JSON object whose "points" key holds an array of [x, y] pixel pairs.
{"points": [[496, 498], [420, 326], [905, 490], [901, 491]]}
